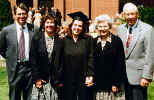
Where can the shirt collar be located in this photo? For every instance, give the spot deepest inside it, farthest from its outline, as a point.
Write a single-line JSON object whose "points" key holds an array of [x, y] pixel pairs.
{"points": [[134, 26], [109, 39], [46, 35], [19, 26]]}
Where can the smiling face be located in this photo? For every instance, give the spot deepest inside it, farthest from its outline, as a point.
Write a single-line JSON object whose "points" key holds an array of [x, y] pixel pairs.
{"points": [[49, 26], [77, 27], [130, 13], [21, 16], [131, 17], [103, 28]]}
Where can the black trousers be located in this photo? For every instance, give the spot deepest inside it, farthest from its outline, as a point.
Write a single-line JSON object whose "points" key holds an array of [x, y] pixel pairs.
{"points": [[21, 85], [135, 92]]}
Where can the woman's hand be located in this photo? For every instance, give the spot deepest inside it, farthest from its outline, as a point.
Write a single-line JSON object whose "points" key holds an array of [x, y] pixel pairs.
{"points": [[114, 89], [39, 83], [89, 81]]}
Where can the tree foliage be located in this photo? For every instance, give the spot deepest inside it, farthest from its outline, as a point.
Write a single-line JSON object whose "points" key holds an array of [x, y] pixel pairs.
{"points": [[146, 14], [5, 13]]}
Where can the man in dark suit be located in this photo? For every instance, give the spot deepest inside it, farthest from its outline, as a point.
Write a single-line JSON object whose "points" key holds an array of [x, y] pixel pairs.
{"points": [[15, 41], [138, 39]]}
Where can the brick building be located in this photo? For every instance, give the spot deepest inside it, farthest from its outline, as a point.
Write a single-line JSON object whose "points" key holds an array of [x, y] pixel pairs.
{"points": [[92, 8]]}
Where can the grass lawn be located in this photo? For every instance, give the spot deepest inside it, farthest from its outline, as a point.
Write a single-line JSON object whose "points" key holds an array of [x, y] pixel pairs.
{"points": [[151, 91], [4, 86]]}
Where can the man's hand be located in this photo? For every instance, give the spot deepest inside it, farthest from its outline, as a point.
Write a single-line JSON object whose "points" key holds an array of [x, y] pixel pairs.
{"points": [[144, 82]]}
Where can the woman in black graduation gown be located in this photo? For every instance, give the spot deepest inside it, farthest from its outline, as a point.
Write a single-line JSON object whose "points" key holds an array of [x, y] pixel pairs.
{"points": [[109, 62], [77, 60], [42, 56]]}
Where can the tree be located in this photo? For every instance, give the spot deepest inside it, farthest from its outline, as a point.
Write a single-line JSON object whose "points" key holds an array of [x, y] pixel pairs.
{"points": [[146, 14], [5, 13], [136, 2]]}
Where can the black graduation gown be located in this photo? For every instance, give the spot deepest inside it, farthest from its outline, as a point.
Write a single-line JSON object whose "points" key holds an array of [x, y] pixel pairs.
{"points": [[77, 64]]}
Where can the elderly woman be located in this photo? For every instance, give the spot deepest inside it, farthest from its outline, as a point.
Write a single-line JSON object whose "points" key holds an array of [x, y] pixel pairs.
{"points": [[77, 60], [42, 56], [109, 62]]}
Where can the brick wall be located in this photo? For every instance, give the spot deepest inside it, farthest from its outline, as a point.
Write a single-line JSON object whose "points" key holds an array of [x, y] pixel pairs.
{"points": [[109, 7], [97, 6]]}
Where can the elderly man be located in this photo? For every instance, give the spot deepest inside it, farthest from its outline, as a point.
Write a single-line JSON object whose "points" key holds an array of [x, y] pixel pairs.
{"points": [[15, 41], [137, 38]]}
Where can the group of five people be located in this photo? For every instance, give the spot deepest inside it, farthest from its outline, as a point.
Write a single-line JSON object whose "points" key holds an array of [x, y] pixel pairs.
{"points": [[117, 67]]}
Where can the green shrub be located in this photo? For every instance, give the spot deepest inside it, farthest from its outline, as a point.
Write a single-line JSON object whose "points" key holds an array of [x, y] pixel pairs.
{"points": [[5, 13], [146, 14]]}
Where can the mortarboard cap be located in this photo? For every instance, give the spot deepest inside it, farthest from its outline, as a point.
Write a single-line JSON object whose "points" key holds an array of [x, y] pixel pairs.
{"points": [[78, 16]]}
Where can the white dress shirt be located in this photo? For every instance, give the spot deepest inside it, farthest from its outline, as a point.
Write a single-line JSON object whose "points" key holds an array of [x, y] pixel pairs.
{"points": [[26, 36]]}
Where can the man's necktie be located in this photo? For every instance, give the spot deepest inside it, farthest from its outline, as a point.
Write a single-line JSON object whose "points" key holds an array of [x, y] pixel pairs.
{"points": [[21, 46], [128, 40]]}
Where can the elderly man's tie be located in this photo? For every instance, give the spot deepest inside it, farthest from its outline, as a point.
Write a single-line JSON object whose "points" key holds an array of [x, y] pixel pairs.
{"points": [[128, 40]]}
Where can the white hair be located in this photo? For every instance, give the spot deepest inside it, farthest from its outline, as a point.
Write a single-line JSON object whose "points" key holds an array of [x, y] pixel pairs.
{"points": [[103, 17], [130, 6]]}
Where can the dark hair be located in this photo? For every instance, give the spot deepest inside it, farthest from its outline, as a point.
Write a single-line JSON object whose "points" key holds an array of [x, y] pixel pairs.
{"points": [[42, 28], [22, 6], [84, 27]]}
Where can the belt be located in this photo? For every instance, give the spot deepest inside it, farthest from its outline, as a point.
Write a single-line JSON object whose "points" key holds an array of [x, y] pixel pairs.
{"points": [[23, 63]]}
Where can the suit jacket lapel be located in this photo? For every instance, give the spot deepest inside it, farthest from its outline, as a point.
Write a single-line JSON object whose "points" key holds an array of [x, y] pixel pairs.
{"points": [[124, 37], [105, 49], [44, 47], [31, 32], [54, 49], [134, 38], [14, 35]]}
